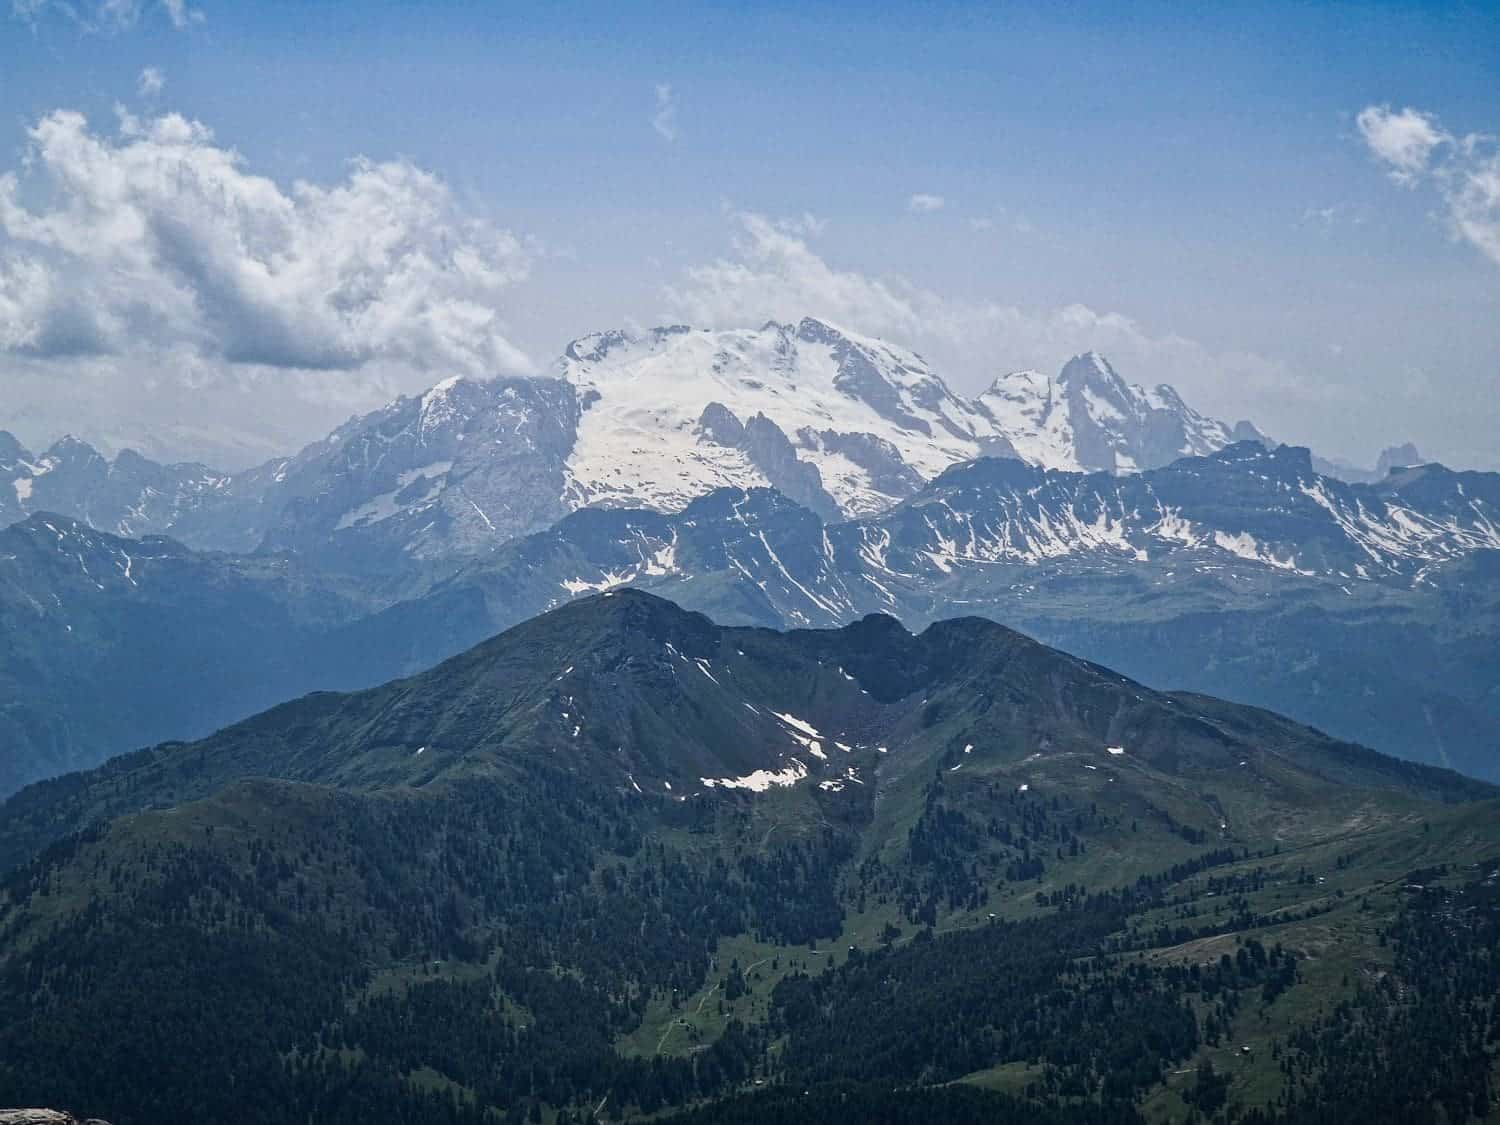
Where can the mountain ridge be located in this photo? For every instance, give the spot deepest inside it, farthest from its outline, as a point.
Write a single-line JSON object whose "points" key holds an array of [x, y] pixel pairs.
{"points": [[1243, 574], [846, 424]]}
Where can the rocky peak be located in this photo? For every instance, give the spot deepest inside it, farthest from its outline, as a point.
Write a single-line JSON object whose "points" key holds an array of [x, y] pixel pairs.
{"points": [[70, 448], [1402, 456], [10, 448], [1089, 369], [44, 1117]]}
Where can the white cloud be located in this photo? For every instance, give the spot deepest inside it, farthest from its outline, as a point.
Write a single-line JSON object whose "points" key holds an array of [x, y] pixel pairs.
{"points": [[108, 15], [150, 83], [1404, 141], [180, 14], [923, 203], [982, 224], [774, 274], [158, 256], [664, 120], [1473, 195], [1465, 171], [166, 232]]}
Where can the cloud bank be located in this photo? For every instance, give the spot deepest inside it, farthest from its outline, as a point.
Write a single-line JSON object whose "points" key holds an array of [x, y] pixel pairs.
{"points": [[157, 256]]}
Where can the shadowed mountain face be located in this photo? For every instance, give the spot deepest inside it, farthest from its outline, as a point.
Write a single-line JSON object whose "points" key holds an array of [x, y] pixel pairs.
{"points": [[520, 871], [109, 643]]}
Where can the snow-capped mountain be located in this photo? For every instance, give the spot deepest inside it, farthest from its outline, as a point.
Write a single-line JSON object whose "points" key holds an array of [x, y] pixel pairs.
{"points": [[1244, 513], [130, 495], [856, 422], [1088, 419], [846, 425], [842, 423]]}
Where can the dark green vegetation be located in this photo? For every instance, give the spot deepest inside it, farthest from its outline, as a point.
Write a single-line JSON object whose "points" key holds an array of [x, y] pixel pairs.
{"points": [[502, 891]]}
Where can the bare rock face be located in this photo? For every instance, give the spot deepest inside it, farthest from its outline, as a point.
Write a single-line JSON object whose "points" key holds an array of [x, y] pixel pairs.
{"points": [[43, 1117]]}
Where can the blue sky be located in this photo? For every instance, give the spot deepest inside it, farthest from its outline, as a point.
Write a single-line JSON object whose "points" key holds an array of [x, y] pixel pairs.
{"points": [[1197, 178]]}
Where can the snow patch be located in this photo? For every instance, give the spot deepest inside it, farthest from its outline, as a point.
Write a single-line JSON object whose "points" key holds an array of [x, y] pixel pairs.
{"points": [[760, 780], [800, 724]]}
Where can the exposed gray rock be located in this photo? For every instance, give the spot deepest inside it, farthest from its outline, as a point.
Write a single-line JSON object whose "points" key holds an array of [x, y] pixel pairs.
{"points": [[453, 472], [1396, 457], [882, 460], [770, 451]]}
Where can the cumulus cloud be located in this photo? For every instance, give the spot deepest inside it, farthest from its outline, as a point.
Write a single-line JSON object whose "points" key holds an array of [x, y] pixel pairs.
{"points": [[923, 203], [1465, 171], [156, 247], [151, 82], [171, 237], [775, 274], [1403, 140], [664, 120]]}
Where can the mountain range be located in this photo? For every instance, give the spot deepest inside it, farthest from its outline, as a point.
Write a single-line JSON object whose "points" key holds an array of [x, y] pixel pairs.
{"points": [[620, 858], [844, 424], [470, 825], [1367, 610]]}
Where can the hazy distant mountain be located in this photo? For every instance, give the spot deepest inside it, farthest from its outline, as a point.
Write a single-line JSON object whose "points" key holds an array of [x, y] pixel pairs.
{"points": [[108, 643], [133, 495], [1402, 456]]}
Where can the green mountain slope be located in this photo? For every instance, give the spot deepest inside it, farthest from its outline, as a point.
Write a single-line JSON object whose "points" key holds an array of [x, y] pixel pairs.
{"points": [[620, 860]]}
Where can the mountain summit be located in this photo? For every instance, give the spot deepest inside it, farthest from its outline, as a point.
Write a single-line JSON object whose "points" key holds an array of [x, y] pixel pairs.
{"points": [[846, 425], [1089, 419]]}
